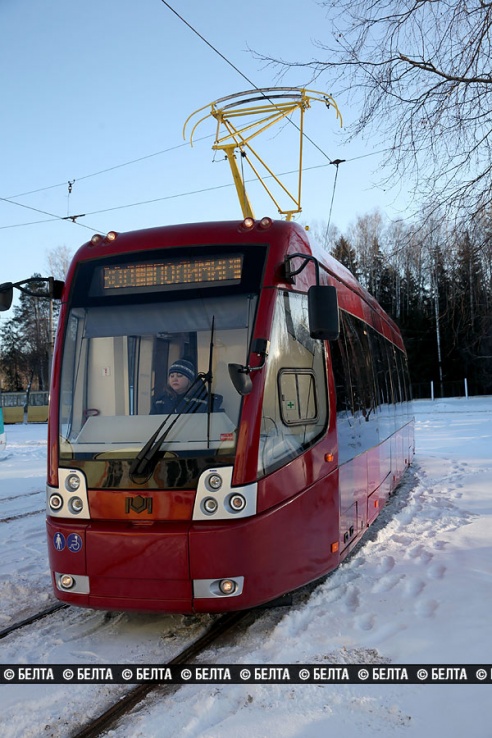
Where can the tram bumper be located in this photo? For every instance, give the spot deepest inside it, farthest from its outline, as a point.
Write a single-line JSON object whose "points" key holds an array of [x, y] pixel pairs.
{"points": [[122, 567]]}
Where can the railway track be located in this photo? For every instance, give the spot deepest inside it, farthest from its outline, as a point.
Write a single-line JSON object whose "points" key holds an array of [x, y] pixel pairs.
{"points": [[20, 516], [124, 699], [23, 513], [106, 720], [33, 619], [26, 494]]}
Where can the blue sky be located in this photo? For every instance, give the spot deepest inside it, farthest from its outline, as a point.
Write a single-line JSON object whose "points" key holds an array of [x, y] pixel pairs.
{"points": [[92, 85]]}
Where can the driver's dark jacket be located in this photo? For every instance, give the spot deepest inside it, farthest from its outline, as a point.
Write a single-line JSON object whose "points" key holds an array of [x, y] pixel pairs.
{"points": [[197, 402]]}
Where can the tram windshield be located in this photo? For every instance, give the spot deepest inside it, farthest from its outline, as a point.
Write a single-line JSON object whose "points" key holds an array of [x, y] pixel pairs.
{"points": [[120, 372]]}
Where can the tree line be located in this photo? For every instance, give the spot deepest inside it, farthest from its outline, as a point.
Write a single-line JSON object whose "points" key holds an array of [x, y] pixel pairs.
{"points": [[435, 280], [26, 344]]}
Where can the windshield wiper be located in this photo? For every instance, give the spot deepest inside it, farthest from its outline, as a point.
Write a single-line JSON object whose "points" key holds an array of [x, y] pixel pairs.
{"points": [[144, 462], [208, 380]]}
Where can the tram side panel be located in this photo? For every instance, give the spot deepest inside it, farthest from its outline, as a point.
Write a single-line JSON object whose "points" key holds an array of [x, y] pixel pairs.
{"points": [[374, 428], [275, 552]]}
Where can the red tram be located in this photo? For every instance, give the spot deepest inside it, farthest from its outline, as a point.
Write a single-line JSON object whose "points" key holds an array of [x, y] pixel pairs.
{"points": [[294, 429]]}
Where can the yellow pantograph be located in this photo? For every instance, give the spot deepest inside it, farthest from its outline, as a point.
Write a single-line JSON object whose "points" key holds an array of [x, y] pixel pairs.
{"points": [[242, 117]]}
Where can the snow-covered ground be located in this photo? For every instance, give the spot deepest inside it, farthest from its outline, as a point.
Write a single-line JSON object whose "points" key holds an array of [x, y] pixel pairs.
{"points": [[418, 591]]}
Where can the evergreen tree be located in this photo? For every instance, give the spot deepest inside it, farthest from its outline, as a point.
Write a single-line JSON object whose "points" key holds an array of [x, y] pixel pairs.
{"points": [[26, 341], [12, 360], [345, 254]]}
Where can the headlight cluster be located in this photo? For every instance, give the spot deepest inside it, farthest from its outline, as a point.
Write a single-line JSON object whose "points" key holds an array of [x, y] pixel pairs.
{"points": [[233, 503], [71, 496], [218, 500]]}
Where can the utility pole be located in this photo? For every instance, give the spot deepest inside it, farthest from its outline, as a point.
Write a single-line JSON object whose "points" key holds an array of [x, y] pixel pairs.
{"points": [[438, 327]]}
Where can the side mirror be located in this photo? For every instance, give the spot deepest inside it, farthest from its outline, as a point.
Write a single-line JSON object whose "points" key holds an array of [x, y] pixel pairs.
{"points": [[56, 288], [240, 379], [240, 375], [324, 322], [6, 296]]}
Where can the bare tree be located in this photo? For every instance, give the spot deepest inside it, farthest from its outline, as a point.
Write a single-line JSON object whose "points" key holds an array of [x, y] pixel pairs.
{"points": [[58, 260], [421, 72], [366, 235]]}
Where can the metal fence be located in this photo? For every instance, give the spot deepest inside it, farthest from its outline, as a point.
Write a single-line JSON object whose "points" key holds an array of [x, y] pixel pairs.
{"points": [[433, 390]]}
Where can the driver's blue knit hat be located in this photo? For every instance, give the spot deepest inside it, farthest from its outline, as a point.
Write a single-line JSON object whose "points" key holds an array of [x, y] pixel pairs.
{"points": [[184, 367]]}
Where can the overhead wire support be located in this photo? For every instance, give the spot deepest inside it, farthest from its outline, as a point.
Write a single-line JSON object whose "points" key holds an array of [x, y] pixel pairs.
{"points": [[336, 163], [52, 216]]}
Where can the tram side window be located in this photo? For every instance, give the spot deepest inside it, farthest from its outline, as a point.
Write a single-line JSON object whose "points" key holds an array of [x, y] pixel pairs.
{"points": [[295, 402], [406, 392], [341, 373], [356, 389], [372, 386], [405, 374], [398, 396], [364, 399], [382, 368], [404, 377]]}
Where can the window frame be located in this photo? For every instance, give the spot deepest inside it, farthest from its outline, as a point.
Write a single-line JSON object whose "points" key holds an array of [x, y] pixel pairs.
{"points": [[298, 371]]}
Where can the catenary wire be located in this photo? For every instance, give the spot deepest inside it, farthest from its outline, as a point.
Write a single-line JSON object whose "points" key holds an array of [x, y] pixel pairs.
{"points": [[160, 199], [53, 217], [153, 200], [104, 171]]}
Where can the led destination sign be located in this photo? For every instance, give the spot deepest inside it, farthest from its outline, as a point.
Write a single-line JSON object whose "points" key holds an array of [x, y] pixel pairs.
{"points": [[173, 273]]}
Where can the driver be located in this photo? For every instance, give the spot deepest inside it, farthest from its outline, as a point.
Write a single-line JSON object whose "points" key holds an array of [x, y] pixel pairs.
{"points": [[185, 393]]}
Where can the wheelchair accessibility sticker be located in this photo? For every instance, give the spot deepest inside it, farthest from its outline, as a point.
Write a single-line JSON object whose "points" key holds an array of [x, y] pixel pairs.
{"points": [[73, 542]]}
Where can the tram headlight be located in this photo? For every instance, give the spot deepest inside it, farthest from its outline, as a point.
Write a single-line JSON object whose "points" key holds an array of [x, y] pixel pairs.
{"points": [[227, 586], [210, 505], [72, 482], [214, 481], [76, 505], [56, 502], [265, 223], [237, 503], [248, 224], [66, 581]]}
